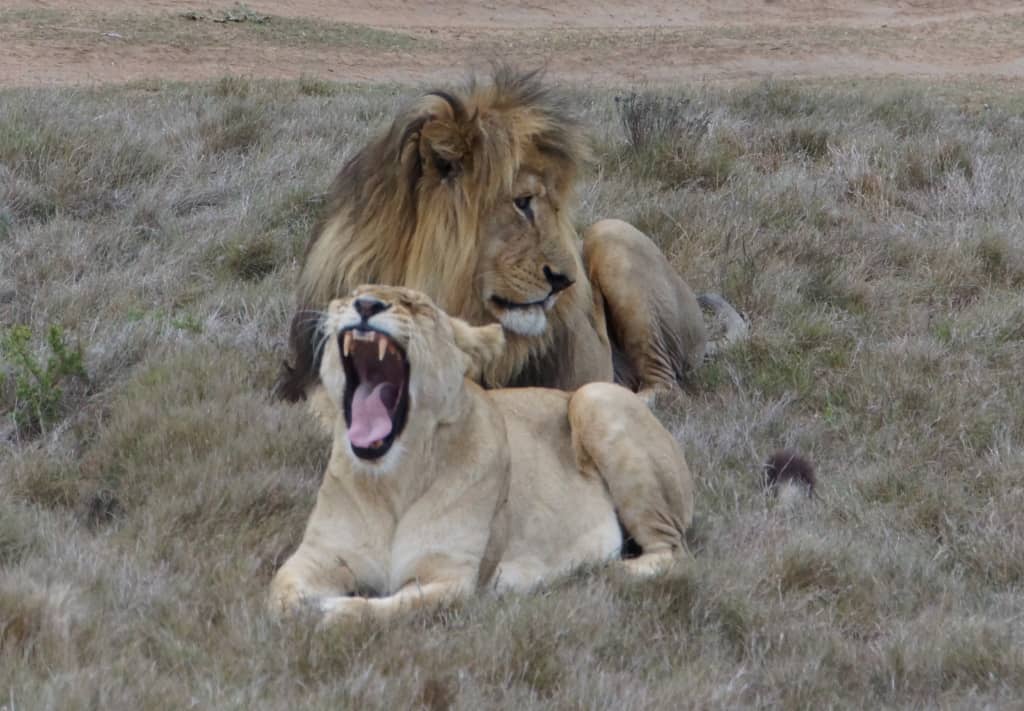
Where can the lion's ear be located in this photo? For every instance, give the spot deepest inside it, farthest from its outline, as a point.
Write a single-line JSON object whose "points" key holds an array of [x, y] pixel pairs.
{"points": [[447, 136], [442, 150], [482, 344]]}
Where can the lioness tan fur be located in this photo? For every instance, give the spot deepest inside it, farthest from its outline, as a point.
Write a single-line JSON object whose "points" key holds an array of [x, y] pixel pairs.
{"points": [[469, 488], [469, 197]]}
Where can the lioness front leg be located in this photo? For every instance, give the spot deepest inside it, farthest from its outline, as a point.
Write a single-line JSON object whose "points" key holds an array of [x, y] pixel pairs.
{"points": [[414, 596], [308, 577], [614, 433], [328, 562]]}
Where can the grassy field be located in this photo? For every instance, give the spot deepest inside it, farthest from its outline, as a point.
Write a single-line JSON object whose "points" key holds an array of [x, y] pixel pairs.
{"points": [[149, 238]]}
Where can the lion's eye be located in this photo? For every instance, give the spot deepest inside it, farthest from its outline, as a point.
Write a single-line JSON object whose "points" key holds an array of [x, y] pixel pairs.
{"points": [[524, 205]]}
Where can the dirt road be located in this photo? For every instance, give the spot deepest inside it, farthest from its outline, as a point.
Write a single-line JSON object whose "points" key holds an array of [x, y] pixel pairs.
{"points": [[58, 42]]}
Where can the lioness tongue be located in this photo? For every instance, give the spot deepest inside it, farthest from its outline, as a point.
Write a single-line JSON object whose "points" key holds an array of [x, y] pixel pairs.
{"points": [[370, 418]]}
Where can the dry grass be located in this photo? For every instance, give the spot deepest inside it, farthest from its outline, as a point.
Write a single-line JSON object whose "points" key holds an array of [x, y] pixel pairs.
{"points": [[195, 27], [872, 234]]}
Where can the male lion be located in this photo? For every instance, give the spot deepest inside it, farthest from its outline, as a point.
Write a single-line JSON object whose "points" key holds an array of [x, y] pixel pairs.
{"points": [[469, 199], [436, 487]]}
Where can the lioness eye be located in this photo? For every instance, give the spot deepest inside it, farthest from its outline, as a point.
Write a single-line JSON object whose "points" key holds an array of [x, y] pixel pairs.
{"points": [[523, 205]]}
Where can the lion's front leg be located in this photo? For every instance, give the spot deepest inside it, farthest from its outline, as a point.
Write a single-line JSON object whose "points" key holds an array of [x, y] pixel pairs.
{"points": [[654, 319]]}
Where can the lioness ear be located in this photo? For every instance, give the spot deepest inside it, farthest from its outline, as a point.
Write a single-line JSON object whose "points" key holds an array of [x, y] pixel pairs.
{"points": [[482, 344]]}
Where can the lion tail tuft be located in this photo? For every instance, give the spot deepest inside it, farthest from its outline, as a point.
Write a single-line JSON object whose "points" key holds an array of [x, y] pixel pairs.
{"points": [[784, 466]]}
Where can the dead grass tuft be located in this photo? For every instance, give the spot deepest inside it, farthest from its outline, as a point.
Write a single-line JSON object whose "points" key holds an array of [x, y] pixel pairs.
{"points": [[669, 140], [239, 126], [1001, 261], [438, 694], [906, 112], [251, 260], [85, 168], [312, 86], [18, 536], [923, 168]]}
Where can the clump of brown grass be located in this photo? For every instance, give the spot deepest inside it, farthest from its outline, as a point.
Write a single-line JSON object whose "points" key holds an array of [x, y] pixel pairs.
{"points": [[239, 126], [669, 139]]}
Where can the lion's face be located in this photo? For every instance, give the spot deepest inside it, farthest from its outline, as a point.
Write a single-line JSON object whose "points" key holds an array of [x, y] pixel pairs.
{"points": [[493, 179], [394, 363], [527, 257]]}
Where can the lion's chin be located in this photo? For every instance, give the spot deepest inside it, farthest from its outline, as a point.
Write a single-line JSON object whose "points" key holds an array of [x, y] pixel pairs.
{"points": [[525, 319], [530, 321]]}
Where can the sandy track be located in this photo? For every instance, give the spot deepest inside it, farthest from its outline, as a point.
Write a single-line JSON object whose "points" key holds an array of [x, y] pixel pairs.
{"points": [[53, 42]]}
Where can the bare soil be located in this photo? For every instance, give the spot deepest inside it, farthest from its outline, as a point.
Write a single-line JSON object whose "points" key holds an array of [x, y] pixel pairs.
{"points": [[53, 42]]}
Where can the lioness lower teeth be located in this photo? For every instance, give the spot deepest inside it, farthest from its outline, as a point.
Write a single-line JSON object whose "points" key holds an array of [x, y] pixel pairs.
{"points": [[382, 346]]}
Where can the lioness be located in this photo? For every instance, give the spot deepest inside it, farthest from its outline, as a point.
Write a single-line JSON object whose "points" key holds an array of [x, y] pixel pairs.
{"points": [[437, 488]]}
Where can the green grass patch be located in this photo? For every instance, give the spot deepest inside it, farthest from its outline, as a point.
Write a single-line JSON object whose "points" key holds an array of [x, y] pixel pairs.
{"points": [[39, 381]]}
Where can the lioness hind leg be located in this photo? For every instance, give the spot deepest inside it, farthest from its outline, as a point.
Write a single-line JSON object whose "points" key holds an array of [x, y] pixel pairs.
{"points": [[654, 320], [615, 436]]}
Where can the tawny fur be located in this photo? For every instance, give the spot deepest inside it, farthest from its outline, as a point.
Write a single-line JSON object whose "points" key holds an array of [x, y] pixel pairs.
{"points": [[436, 203], [500, 489]]}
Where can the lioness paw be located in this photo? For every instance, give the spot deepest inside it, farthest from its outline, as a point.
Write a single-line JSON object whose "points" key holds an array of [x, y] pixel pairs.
{"points": [[341, 609], [650, 565]]}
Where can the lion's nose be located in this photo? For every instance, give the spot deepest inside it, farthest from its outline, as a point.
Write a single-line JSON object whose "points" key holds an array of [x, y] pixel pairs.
{"points": [[558, 282], [367, 307]]}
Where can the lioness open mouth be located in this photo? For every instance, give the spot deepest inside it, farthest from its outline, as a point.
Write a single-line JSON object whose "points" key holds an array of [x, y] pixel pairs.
{"points": [[376, 390]]}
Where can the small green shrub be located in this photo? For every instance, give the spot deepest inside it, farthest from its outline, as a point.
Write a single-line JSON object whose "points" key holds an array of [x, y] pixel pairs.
{"points": [[187, 322], [38, 396]]}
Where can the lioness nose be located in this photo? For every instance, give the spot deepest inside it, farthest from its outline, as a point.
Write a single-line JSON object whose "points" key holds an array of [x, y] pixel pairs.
{"points": [[366, 306], [558, 282]]}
